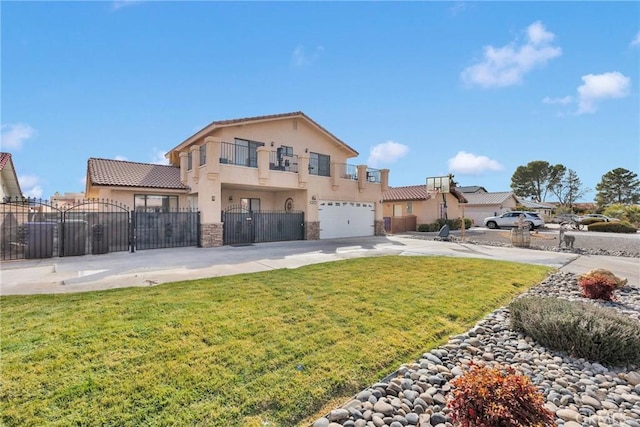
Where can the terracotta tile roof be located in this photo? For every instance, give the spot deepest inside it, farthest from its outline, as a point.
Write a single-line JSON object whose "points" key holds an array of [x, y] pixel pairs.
{"points": [[13, 185], [415, 192], [266, 118], [4, 159], [131, 174], [410, 192]]}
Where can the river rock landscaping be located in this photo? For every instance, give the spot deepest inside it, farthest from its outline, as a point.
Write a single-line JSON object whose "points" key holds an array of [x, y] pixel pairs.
{"points": [[579, 392]]}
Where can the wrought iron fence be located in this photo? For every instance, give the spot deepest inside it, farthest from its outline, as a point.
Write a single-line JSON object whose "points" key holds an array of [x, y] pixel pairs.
{"points": [[241, 226], [154, 230], [35, 228]]}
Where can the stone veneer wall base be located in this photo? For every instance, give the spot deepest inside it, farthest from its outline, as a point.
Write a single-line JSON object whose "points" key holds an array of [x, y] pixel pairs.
{"points": [[211, 235], [379, 228], [312, 230]]}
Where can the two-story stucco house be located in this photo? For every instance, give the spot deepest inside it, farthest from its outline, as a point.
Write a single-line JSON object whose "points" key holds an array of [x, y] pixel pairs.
{"points": [[278, 163]]}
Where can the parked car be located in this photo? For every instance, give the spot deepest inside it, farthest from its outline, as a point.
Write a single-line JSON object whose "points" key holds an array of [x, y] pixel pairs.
{"points": [[509, 219], [600, 217]]}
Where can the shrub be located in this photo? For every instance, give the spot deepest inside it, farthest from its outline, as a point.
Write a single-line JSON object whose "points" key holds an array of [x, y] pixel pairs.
{"points": [[612, 227], [619, 282], [493, 397], [428, 227], [581, 329], [597, 286], [589, 221], [454, 224]]}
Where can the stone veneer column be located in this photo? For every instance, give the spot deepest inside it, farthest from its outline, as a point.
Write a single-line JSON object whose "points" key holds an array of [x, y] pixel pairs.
{"points": [[379, 228], [312, 230], [211, 235]]}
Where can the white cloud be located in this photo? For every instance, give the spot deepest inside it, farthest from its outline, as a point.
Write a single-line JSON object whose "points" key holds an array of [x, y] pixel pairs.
{"points": [[562, 101], [301, 58], [471, 164], [507, 65], [636, 40], [159, 157], [14, 135], [597, 87], [119, 157], [387, 152], [30, 185]]}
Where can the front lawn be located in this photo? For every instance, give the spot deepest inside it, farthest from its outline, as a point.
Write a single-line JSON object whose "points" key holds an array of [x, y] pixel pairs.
{"points": [[270, 348]]}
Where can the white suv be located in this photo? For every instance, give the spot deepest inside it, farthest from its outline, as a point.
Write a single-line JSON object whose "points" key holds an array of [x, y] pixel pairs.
{"points": [[509, 219]]}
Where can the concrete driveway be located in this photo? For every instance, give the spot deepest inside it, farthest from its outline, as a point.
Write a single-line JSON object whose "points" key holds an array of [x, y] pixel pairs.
{"points": [[150, 267]]}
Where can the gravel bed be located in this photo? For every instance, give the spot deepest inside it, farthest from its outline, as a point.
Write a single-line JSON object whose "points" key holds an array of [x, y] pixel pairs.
{"points": [[592, 244], [579, 392]]}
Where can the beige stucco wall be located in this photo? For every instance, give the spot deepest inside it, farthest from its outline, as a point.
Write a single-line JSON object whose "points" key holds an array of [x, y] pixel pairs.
{"points": [[426, 211]]}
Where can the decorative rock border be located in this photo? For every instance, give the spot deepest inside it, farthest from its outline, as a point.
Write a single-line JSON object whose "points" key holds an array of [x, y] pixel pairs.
{"points": [[581, 393]]}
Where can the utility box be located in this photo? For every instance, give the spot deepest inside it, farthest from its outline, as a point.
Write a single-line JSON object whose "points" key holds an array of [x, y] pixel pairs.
{"points": [[39, 239]]}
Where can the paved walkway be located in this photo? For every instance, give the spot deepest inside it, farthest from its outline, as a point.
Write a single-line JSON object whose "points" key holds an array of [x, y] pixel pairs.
{"points": [[145, 268]]}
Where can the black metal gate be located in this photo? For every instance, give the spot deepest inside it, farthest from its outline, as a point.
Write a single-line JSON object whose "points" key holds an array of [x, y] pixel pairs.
{"points": [[155, 230], [34, 228], [242, 226]]}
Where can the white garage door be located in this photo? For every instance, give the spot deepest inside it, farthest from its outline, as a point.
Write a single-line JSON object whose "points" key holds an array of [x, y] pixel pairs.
{"points": [[345, 219]]}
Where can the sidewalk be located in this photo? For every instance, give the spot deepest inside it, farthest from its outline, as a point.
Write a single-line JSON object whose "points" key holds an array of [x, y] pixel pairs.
{"points": [[150, 267]]}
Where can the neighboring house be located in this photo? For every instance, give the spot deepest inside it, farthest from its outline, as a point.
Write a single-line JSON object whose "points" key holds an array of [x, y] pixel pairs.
{"points": [[66, 200], [9, 185], [481, 205], [414, 200], [283, 162], [544, 209], [472, 189]]}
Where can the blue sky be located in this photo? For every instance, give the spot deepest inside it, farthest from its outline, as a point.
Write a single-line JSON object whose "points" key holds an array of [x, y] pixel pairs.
{"points": [[422, 88]]}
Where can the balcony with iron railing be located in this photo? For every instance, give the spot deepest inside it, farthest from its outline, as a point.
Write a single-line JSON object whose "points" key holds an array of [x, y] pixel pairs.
{"points": [[279, 161], [238, 154], [373, 175], [348, 171]]}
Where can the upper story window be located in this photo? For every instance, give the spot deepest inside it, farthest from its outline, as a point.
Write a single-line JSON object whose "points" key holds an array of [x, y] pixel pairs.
{"points": [[189, 161], [319, 164], [203, 154], [409, 208]]}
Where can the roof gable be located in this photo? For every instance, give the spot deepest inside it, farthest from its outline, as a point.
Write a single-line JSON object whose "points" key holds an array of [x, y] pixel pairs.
{"points": [[9, 176], [415, 192], [119, 173], [257, 119], [472, 189], [410, 192], [496, 198]]}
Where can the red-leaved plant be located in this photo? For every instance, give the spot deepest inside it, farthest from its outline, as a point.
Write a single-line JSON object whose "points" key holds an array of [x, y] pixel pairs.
{"points": [[598, 287], [493, 397]]}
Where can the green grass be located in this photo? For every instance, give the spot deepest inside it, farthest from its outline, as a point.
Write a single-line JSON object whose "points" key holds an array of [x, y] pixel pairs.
{"points": [[267, 348]]}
